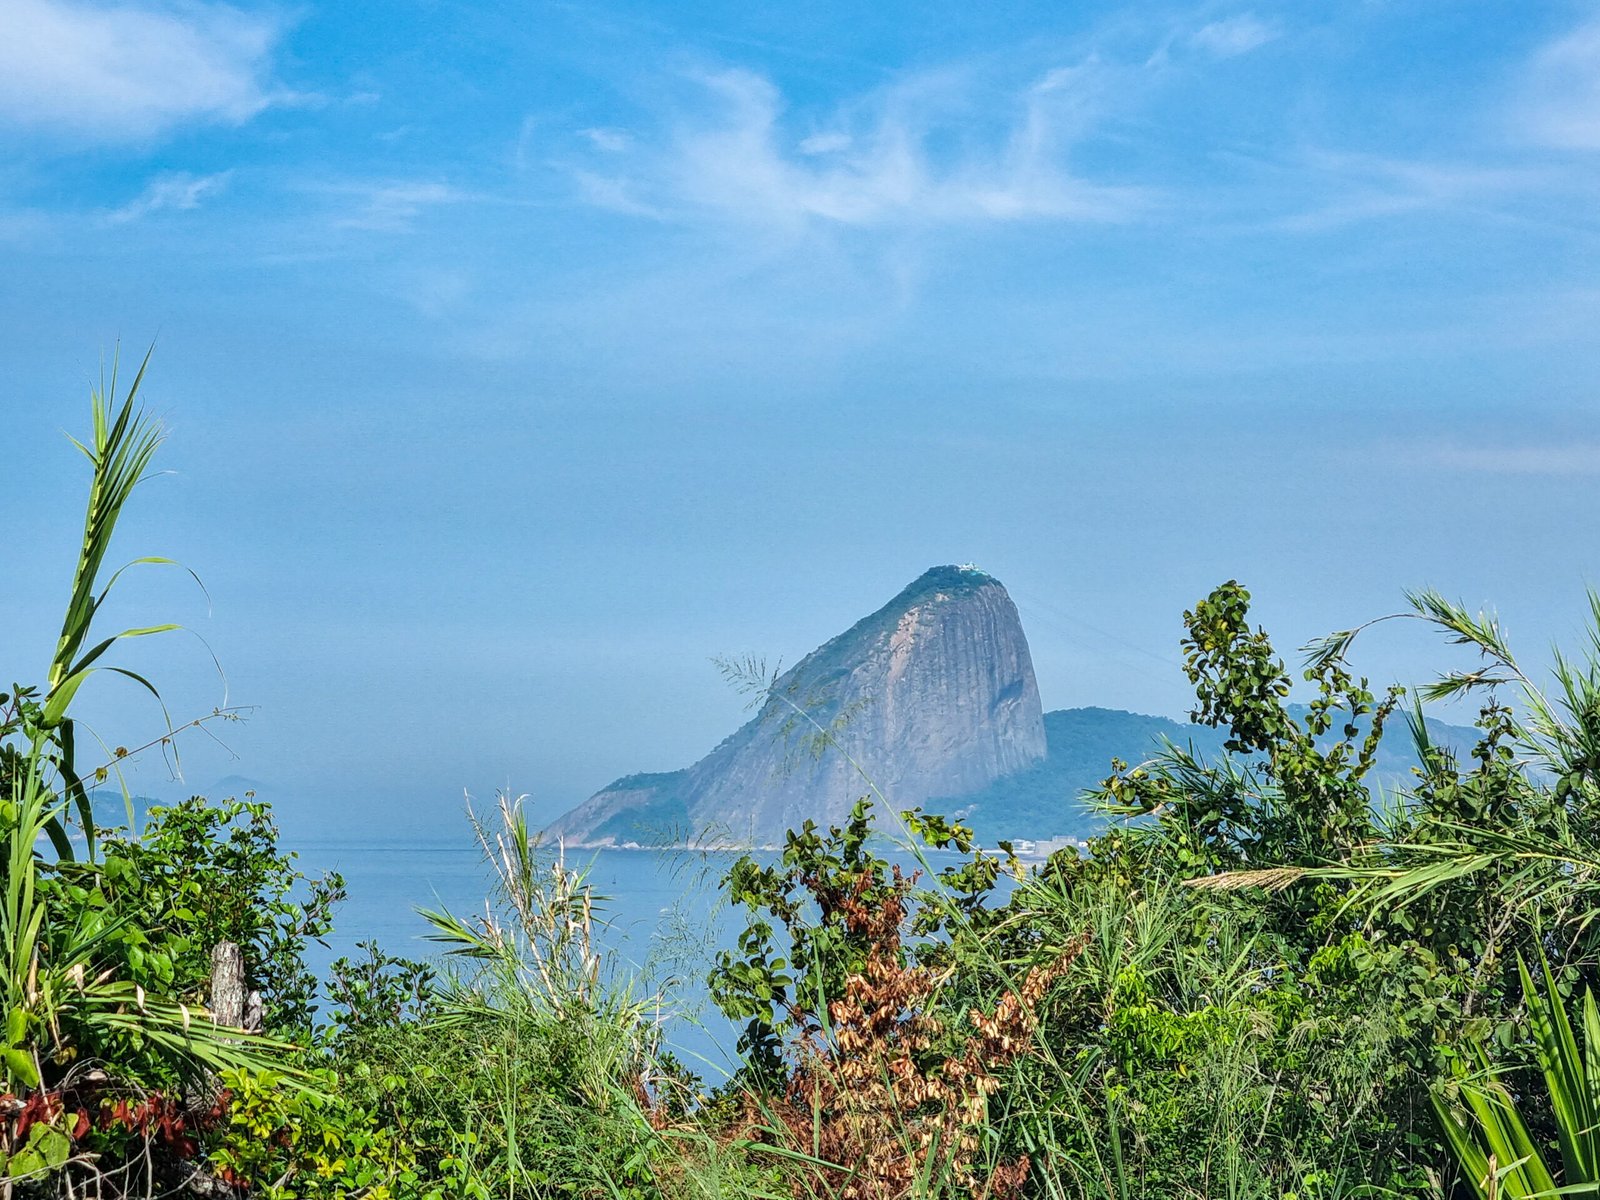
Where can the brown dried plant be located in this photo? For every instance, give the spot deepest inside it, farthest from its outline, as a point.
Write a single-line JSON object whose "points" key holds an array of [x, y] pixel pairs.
{"points": [[886, 1102]]}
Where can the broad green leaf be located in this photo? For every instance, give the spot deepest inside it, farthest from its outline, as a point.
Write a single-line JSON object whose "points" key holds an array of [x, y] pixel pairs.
{"points": [[19, 1065]]}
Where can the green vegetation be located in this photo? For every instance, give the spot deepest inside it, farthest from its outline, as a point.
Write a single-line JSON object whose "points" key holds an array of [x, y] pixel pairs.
{"points": [[1273, 983], [663, 821]]}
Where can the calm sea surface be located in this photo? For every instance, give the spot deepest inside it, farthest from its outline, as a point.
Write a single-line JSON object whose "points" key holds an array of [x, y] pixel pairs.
{"points": [[664, 919], [662, 913]]}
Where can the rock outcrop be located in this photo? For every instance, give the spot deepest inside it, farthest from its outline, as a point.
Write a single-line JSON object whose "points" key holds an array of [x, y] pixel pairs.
{"points": [[932, 695]]}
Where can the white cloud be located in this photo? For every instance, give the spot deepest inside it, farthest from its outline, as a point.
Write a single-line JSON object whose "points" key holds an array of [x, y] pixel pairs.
{"points": [[1564, 458], [112, 71], [1561, 101], [1233, 36], [393, 207], [824, 143], [24, 226], [612, 141], [605, 191], [175, 192], [438, 293], [1361, 187], [875, 162]]}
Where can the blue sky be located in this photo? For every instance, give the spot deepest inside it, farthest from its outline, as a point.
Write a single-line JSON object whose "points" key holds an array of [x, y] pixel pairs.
{"points": [[519, 358]]}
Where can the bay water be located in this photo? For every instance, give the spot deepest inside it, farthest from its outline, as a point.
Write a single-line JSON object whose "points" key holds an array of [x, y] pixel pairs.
{"points": [[663, 917], [661, 920]]}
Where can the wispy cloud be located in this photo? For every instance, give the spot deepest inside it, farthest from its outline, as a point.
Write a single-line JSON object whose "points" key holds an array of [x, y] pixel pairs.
{"points": [[612, 141], [1560, 458], [437, 293], [1234, 36], [392, 206], [924, 152], [615, 194], [1561, 98], [131, 70], [23, 226], [178, 192], [1363, 187], [824, 143]]}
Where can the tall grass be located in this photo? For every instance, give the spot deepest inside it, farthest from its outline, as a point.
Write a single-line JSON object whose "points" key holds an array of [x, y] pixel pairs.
{"points": [[538, 1066], [1164, 1067], [61, 990], [123, 442]]}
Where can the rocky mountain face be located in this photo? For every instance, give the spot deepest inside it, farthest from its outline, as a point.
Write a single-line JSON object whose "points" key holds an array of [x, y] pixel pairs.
{"points": [[932, 695]]}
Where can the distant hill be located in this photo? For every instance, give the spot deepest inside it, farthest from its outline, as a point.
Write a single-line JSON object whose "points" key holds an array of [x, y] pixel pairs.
{"points": [[1044, 800], [110, 808], [233, 787]]}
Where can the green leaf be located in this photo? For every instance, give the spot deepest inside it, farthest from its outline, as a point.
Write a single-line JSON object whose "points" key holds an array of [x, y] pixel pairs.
{"points": [[60, 697], [19, 1065], [53, 1146]]}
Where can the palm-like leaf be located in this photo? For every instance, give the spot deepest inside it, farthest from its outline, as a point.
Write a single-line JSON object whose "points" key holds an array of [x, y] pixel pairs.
{"points": [[120, 450], [1492, 1143], [55, 982]]}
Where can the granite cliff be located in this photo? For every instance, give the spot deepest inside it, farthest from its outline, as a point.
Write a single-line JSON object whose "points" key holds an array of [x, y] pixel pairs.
{"points": [[932, 695]]}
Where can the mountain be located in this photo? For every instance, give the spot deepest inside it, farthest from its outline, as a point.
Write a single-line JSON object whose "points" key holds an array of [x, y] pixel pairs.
{"points": [[932, 695], [233, 787], [113, 810], [1044, 800]]}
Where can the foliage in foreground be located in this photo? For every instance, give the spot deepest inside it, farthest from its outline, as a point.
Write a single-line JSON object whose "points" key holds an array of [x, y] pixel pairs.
{"points": [[109, 1057], [1499, 1153]]}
